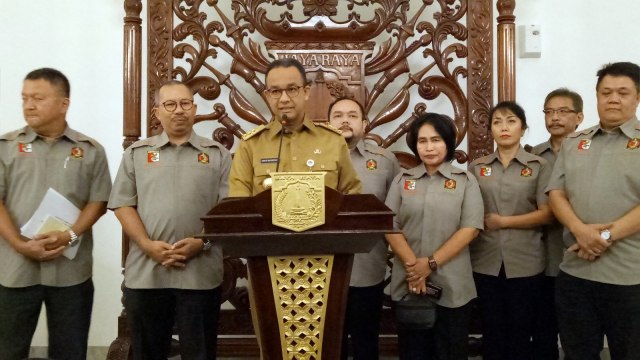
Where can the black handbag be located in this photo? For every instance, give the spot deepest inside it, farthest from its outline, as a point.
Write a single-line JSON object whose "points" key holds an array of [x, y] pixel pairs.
{"points": [[415, 312]]}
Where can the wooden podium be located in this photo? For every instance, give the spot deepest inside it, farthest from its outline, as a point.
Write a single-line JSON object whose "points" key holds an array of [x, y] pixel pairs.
{"points": [[299, 280]]}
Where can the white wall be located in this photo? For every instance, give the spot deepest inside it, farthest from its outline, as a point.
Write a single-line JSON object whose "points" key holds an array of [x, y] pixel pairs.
{"points": [[578, 36]]}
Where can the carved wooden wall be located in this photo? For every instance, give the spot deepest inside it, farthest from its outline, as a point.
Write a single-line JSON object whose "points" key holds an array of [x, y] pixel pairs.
{"points": [[217, 52]]}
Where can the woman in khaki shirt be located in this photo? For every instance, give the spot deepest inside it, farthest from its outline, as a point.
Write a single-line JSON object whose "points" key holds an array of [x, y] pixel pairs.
{"points": [[439, 210], [508, 257]]}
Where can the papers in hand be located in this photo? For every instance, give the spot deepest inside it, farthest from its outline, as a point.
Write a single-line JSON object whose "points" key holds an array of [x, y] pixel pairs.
{"points": [[55, 213]]}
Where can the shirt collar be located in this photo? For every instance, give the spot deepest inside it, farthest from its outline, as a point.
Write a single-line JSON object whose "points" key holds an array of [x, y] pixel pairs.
{"points": [[275, 127], [30, 135]]}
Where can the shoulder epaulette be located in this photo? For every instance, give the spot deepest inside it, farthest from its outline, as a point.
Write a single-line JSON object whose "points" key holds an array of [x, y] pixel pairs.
{"points": [[143, 142], [253, 132], [329, 127], [12, 135], [582, 132]]}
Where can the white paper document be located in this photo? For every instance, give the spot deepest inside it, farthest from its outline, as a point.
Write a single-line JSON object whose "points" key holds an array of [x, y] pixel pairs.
{"points": [[55, 212]]}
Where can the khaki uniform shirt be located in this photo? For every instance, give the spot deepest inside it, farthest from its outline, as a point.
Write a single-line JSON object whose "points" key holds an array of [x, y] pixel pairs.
{"points": [[599, 172], [314, 148], [429, 210], [552, 237], [76, 167], [376, 168], [172, 187], [516, 190]]}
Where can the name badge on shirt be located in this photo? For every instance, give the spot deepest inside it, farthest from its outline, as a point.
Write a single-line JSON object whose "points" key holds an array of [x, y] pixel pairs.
{"points": [[372, 164], [485, 171], [203, 158], [526, 171], [633, 144], [25, 147], [77, 152], [409, 184], [450, 184], [153, 156], [268, 160], [584, 144]]}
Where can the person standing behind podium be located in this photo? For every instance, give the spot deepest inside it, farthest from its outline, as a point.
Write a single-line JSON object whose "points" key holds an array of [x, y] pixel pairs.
{"points": [[45, 154], [508, 256], [291, 141], [562, 115], [439, 210], [165, 184], [376, 168]]}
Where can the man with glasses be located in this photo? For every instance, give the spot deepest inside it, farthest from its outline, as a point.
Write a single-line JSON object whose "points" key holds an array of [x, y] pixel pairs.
{"points": [[165, 184], [562, 116], [594, 192], [48, 154], [291, 141]]}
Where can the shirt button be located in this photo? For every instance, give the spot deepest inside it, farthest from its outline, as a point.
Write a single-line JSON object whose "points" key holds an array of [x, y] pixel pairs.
{"points": [[321, 166]]}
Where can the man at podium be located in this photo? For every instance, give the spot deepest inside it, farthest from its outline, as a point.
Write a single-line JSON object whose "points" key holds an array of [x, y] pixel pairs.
{"points": [[293, 142]]}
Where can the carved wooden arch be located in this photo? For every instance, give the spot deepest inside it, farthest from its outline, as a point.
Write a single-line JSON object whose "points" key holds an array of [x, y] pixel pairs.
{"points": [[199, 31]]}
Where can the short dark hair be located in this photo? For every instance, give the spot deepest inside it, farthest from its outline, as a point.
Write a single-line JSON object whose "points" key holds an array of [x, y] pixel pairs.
{"points": [[444, 127], [54, 77], [285, 63], [364, 116], [512, 106], [576, 99], [627, 69], [156, 95]]}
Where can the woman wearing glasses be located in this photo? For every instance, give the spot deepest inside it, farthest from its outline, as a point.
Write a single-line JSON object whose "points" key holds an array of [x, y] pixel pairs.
{"points": [[439, 210], [508, 257]]}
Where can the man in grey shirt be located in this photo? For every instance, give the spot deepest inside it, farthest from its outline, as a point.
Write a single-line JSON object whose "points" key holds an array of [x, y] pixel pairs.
{"points": [[594, 192], [165, 184], [376, 168], [45, 154]]}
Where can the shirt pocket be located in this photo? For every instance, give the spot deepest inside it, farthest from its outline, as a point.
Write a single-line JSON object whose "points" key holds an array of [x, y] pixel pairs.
{"points": [[330, 169]]}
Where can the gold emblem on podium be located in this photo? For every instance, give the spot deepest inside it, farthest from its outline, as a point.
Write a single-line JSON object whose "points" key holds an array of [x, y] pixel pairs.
{"points": [[297, 200]]}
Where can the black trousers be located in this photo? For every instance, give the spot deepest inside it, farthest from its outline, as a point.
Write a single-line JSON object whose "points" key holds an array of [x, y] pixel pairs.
{"points": [[448, 340], [545, 335], [151, 314], [507, 309], [588, 310], [362, 321], [68, 320]]}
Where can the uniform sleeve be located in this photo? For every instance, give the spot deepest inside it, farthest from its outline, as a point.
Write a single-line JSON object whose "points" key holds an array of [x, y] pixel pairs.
{"points": [[225, 168], [472, 214], [101, 178], [394, 200], [395, 170], [556, 179], [543, 179], [241, 175], [124, 192], [3, 170], [348, 180]]}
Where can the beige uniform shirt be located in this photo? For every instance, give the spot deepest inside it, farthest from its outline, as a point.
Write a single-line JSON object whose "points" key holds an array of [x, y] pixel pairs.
{"points": [[172, 187], [516, 190], [75, 166], [376, 168], [599, 172], [314, 148], [552, 237], [429, 210]]}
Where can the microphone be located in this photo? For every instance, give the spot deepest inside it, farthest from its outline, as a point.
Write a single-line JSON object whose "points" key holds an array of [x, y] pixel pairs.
{"points": [[283, 121]]}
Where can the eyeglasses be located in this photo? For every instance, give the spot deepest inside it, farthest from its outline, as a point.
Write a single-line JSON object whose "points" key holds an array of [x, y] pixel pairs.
{"points": [[561, 111], [172, 105], [292, 91]]}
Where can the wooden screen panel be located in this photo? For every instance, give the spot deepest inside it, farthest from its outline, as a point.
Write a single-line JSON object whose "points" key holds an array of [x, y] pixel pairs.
{"points": [[444, 31]]}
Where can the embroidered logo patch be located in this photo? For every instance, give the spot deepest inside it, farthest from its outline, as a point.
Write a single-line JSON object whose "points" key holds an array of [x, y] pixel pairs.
{"points": [[153, 156], [485, 171], [25, 147], [372, 164], [77, 152], [633, 144], [203, 158], [409, 184], [584, 144], [450, 184], [526, 171]]}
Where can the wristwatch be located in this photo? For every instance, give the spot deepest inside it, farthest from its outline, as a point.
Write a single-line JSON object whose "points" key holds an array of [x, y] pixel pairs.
{"points": [[433, 265], [73, 239], [206, 244], [606, 235]]}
